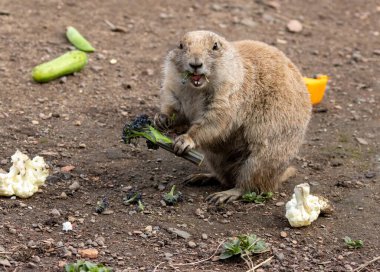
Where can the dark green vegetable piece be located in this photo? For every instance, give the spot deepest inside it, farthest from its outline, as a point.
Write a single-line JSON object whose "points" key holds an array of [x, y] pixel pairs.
{"points": [[172, 198], [132, 198], [102, 205], [256, 198]]}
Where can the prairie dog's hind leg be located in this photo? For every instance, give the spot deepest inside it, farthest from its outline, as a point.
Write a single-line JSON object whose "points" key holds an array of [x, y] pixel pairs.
{"points": [[202, 179], [252, 176]]}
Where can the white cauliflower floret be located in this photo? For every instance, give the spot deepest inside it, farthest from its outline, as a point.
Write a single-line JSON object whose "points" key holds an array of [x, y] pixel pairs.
{"points": [[24, 177], [304, 208]]}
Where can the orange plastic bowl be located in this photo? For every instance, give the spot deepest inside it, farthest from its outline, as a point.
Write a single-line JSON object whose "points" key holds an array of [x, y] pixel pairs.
{"points": [[316, 87]]}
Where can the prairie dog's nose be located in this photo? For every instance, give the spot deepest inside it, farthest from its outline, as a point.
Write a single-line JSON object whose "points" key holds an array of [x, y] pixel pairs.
{"points": [[196, 66]]}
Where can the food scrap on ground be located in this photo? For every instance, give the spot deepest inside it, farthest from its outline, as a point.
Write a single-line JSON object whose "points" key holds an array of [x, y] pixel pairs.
{"points": [[305, 208], [172, 197], [24, 177], [78, 40], [66, 64]]}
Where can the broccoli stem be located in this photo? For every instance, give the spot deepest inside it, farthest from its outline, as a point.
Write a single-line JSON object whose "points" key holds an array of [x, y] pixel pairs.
{"points": [[172, 191], [192, 155]]}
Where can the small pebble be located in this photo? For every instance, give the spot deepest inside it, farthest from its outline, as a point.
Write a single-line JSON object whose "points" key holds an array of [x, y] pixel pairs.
{"points": [[90, 253], [294, 26], [192, 244], [74, 186], [55, 212]]}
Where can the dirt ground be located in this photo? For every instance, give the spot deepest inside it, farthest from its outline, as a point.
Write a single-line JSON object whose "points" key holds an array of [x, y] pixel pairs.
{"points": [[77, 121]]}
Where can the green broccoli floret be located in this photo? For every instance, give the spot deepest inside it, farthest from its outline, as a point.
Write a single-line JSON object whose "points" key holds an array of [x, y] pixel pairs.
{"points": [[142, 127], [171, 198]]}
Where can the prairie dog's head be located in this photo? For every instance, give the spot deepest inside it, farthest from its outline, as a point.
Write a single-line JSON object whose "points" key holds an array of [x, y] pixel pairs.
{"points": [[198, 57]]}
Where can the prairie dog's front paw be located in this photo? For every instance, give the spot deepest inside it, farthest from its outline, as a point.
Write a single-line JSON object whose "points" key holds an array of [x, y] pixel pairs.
{"points": [[162, 121], [183, 143]]}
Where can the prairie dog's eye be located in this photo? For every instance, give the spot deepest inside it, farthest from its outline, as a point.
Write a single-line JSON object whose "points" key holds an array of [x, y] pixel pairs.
{"points": [[180, 46], [216, 46]]}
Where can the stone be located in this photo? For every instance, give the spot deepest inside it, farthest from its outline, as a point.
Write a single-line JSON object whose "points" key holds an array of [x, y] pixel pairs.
{"points": [[90, 253], [248, 22], [55, 212], [63, 195], [74, 186], [168, 255], [5, 262], [67, 168], [181, 233], [192, 244], [370, 175], [294, 26], [280, 256], [361, 141], [100, 240], [216, 7]]}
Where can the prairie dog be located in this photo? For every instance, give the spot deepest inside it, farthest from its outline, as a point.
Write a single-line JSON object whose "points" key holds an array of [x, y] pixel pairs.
{"points": [[245, 105]]}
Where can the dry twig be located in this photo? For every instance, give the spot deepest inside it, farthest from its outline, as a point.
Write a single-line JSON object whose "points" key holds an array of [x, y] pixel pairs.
{"points": [[173, 265], [260, 264], [367, 263]]}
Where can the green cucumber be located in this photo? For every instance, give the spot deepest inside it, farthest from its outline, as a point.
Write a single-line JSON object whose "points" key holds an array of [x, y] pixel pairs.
{"points": [[78, 40], [66, 64]]}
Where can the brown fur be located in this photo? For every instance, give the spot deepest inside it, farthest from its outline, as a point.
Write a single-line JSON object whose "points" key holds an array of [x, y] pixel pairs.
{"points": [[249, 119]]}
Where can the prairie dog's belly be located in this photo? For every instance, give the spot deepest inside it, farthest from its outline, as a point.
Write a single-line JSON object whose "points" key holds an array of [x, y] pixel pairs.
{"points": [[192, 105]]}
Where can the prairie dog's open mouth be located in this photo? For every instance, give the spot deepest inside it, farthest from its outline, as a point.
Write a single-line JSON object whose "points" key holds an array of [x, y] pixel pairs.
{"points": [[195, 79]]}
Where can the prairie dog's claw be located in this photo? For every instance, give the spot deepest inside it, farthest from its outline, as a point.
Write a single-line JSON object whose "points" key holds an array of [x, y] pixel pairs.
{"points": [[225, 196], [182, 144], [162, 121]]}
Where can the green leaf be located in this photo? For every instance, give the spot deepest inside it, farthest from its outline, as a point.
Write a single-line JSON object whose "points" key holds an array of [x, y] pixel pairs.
{"points": [[70, 267], [249, 197], [353, 243], [225, 255], [260, 246], [258, 199], [86, 266], [246, 244]]}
